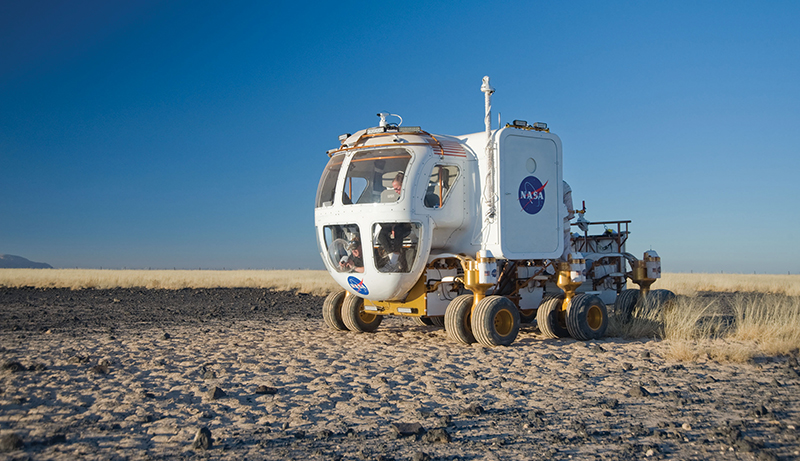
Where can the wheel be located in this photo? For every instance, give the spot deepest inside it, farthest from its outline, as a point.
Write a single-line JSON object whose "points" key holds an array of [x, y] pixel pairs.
{"points": [[356, 318], [625, 304], [495, 321], [422, 321], [437, 321], [527, 315], [458, 319], [550, 318], [332, 310], [587, 317], [657, 301]]}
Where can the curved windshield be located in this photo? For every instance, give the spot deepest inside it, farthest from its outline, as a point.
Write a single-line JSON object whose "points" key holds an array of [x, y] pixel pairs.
{"points": [[343, 244], [327, 183], [375, 176]]}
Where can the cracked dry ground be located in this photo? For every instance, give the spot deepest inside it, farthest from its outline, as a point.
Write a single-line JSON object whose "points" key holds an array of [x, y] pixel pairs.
{"points": [[134, 374]]}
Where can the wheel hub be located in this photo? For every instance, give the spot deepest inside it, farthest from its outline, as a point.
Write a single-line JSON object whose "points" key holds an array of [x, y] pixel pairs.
{"points": [[367, 317], [595, 317], [503, 322]]}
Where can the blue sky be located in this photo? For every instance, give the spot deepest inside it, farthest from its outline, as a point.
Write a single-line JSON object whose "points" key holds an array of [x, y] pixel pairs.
{"points": [[192, 134]]}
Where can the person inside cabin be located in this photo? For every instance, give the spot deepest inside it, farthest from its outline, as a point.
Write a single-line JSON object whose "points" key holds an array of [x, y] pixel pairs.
{"points": [[354, 262], [397, 183], [391, 235]]}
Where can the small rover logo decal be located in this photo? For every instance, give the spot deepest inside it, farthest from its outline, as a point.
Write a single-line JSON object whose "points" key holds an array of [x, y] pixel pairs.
{"points": [[358, 285], [531, 194]]}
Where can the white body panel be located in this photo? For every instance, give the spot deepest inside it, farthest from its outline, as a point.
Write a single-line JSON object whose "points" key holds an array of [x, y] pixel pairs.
{"points": [[530, 194]]}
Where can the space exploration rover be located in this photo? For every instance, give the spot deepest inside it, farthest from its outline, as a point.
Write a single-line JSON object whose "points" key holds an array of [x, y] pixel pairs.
{"points": [[471, 232]]}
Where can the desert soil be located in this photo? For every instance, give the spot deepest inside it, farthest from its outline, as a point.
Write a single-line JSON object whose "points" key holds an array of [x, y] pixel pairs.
{"points": [[255, 374]]}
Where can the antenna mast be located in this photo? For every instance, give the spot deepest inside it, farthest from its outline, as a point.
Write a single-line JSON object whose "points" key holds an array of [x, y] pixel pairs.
{"points": [[487, 90]]}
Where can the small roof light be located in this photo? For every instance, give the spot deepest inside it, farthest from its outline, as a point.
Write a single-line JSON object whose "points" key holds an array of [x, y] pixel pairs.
{"points": [[410, 129], [519, 123], [376, 130], [541, 126], [343, 137]]}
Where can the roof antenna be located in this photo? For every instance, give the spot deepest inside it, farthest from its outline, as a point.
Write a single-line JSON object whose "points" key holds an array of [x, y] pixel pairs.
{"points": [[383, 116], [487, 90]]}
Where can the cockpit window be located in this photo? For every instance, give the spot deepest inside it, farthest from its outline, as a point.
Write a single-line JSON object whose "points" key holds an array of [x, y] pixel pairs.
{"points": [[395, 246], [343, 243], [327, 183], [441, 181], [375, 176]]}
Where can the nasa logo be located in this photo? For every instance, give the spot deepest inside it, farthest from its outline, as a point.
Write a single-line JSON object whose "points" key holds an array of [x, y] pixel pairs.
{"points": [[357, 285], [531, 194]]}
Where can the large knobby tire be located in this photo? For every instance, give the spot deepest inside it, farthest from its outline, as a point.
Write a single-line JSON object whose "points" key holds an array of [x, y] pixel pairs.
{"points": [[527, 315], [587, 317], [665, 297], [656, 302], [422, 321], [625, 304], [458, 320], [551, 319], [356, 318], [332, 310], [495, 321], [437, 321]]}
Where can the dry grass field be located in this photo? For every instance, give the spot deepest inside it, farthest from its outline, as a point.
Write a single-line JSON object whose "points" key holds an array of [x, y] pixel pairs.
{"points": [[320, 283], [691, 284], [751, 315], [315, 282], [732, 328]]}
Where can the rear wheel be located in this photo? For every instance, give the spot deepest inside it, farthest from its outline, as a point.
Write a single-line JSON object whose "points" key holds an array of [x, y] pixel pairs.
{"points": [[665, 297], [458, 319], [356, 318], [625, 304], [657, 301], [551, 318], [495, 321], [587, 317], [332, 310]]}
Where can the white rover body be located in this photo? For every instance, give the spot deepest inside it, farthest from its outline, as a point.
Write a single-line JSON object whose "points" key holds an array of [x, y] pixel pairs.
{"points": [[477, 240]]}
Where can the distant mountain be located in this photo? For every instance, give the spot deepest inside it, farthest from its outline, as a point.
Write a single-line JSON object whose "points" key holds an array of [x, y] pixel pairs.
{"points": [[18, 262]]}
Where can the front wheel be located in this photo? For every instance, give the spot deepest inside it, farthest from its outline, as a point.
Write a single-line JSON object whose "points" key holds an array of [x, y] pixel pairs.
{"points": [[587, 317], [625, 304], [458, 320], [495, 321], [332, 310], [356, 318]]}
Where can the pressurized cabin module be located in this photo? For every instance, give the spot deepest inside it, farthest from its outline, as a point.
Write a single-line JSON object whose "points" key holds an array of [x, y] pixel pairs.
{"points": [[471, 232]]}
